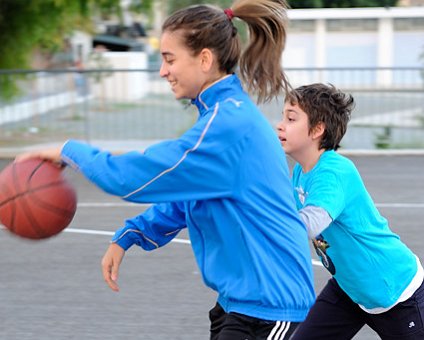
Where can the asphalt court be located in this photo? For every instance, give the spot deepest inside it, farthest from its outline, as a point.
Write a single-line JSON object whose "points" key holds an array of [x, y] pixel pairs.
{"points": [[53, 289]]}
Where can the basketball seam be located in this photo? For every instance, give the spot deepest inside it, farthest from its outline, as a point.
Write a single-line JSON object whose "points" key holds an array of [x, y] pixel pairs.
{"points": [[31, 191], [13, 208], [25, 209], [29, 215], [46, 205]]}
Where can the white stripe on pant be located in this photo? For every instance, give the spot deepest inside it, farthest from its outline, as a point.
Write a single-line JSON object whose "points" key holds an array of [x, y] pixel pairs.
{"points": [[279, 331]]}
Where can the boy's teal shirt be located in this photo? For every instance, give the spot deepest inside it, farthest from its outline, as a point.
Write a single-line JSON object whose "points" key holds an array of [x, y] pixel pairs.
{"points": [[226, 179], [372, 265]]}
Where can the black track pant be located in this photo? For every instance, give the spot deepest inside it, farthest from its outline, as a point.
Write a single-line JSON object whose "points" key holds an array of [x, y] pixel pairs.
{"points": [[334, 316], [234, 326]]}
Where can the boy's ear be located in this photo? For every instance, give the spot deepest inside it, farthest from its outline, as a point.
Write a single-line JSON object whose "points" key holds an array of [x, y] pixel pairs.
{"points": [[318, 130]]}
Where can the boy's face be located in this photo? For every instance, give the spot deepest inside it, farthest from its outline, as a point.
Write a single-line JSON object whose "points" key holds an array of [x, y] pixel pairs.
{"points": [[294, 132]]}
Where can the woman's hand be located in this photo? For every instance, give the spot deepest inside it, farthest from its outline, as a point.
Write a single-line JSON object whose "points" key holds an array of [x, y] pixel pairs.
{"points": [[51, 154], [110, 265]]}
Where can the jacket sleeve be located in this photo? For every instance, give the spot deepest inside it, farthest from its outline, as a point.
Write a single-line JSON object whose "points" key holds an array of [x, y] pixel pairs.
{"points": [[152, 229], [201, 164]]}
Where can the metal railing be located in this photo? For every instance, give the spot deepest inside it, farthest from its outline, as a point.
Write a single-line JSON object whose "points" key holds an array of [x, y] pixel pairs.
{"points": [[127, 106]]}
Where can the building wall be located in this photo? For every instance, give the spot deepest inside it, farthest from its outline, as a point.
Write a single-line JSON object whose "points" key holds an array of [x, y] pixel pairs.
{"points": [[411, 3], [360, 37]]}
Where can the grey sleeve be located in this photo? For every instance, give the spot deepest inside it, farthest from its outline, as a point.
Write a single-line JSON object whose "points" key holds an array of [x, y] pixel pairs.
{"points": [[316, 220]]}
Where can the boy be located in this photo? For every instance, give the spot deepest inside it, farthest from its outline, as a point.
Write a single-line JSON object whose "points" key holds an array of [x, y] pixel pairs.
{"points": [[376, 279]]}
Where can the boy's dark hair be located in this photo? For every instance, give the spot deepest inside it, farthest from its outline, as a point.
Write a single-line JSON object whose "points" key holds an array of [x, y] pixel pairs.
{"points": [[325, 104]]}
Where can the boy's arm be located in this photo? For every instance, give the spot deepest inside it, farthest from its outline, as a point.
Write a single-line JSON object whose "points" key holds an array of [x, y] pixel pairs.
{"points": [[316, 219]]}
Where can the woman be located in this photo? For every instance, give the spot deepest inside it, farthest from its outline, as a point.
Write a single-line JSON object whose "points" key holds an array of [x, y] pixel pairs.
{"points": [[225, 179]]}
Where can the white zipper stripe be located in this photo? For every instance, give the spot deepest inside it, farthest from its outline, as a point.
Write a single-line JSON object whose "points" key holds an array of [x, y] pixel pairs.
{"points": [[182, 158]]}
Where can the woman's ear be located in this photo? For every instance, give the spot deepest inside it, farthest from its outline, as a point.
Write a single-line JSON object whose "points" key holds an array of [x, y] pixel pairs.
{"points": [[206, 59]]}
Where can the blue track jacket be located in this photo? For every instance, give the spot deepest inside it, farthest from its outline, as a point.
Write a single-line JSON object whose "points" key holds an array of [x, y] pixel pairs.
{"points": [[226, 179]]}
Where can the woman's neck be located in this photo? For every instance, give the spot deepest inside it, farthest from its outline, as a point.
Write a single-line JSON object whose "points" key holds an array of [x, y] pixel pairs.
{"points": [[213, 81]]}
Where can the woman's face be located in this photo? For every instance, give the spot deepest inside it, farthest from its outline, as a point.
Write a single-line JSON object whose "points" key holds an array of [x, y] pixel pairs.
{"points": [[180, 67]]}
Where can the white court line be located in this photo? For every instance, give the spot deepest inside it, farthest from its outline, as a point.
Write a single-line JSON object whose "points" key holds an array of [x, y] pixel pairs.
{"points": [[317, 263], [184, 241], [111, 204], [104, 233], [111, 233], [400, 205]]}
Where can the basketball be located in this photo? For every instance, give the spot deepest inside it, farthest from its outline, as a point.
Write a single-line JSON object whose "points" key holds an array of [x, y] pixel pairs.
{"points": [[36, 200]]}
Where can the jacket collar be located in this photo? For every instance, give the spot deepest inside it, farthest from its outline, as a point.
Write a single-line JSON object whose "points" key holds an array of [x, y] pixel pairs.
{"points": [[219, 90]]}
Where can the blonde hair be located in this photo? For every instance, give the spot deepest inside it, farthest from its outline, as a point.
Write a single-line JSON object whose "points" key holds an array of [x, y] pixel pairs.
{"points": [[260, 64]]}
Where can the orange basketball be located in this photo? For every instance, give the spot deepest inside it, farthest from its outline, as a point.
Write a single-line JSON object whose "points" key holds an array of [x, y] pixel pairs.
{"points": [[36, 200]]}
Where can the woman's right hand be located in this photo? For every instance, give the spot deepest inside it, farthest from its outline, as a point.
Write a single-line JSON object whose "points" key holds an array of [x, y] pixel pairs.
{"points": [[51, 154], [110, 265]]}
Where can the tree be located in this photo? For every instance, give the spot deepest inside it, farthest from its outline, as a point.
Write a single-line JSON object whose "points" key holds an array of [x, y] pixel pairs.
{"points": [[306, 4], [43, 25]]}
